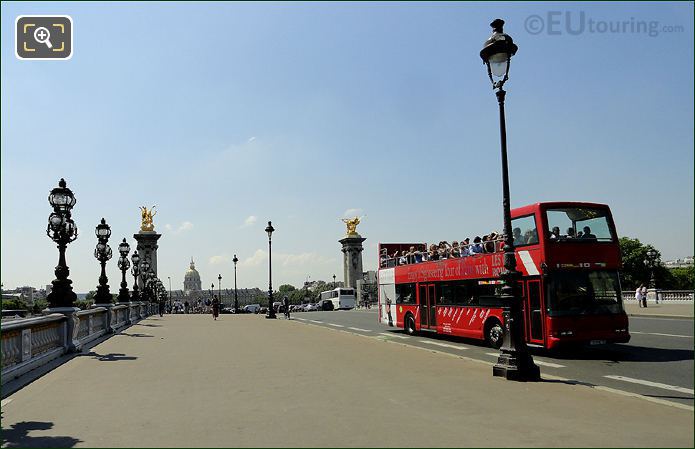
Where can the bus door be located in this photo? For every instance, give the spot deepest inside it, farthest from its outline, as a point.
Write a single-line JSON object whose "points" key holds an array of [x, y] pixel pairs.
{"points": [[428, 311], [534, 312]]}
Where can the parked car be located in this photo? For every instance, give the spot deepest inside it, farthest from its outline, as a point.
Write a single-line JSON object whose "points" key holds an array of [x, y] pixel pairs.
{"points": [[311, 307], [325, 304], [227, 310]]}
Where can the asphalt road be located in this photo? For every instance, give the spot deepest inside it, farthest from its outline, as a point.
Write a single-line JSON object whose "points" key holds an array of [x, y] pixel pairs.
{"points": [[657, 362]]}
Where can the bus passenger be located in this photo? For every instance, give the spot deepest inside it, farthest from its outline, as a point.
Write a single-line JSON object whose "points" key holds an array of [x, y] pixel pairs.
{"points": [[588, 234], [465, 247], [476, 247], [489, 244], [455, 250], [570, 233], [383, 257], [433, 254], [417, 254], [555, 233], [518, 238]]}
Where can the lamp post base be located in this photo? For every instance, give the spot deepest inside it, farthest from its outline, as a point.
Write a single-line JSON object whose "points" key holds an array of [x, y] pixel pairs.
{"points": [[513, 366]]}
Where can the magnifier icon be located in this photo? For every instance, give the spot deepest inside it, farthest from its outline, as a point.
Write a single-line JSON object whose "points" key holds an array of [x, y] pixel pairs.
{"points": [[42, 36]]}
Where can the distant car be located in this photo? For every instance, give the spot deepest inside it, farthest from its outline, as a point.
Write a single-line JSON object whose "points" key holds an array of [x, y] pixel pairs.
{"points": [[227, 310], [263, 310], [325, 304], [311, 307], [252, 308]]}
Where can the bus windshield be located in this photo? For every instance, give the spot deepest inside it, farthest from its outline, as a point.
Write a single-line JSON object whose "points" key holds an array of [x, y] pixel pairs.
{"points": [[579, 223], [584, 293]]}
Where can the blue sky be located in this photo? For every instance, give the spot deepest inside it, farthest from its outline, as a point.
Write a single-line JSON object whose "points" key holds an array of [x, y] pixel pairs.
{"points": [[227, 115]]}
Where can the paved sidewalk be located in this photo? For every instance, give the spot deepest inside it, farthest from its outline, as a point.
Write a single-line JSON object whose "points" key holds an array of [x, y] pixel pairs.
{"points": [[663, 309], [189, 381]]}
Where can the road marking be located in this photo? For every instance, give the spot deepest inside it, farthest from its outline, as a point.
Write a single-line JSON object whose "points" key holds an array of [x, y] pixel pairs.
{"points": [[4, 402], [316, 321], [652, 384], [391, 334], [443, 345], [536, 361], [335, 325], [662, 335], [358, 329], [300, 319]]}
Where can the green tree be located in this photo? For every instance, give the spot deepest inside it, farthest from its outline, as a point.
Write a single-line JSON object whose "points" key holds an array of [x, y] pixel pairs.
{"points": [[286, 289], [635, 271], [683, 278], [14, 304]]}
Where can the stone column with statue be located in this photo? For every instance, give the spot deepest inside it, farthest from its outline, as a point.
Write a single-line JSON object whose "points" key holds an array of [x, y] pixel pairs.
{"points": [[352, 253], [147, 240]]}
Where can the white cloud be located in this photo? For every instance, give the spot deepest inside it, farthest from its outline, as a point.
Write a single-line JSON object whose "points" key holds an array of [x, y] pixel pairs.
{"points": [[183, 227], [251, 139], [258, 258], [355, 212], [250, 221], [218, 260]]}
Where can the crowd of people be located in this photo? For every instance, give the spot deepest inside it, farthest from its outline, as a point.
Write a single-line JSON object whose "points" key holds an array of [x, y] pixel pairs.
{"points": [[490, 243]]}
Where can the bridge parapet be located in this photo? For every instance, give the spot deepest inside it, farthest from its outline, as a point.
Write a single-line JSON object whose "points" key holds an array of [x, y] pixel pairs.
{"points": [[671, 296], [29, 343]]}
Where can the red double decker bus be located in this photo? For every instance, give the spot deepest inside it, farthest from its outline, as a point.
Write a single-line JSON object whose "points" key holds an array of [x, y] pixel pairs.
{"points": [[568, 255]]}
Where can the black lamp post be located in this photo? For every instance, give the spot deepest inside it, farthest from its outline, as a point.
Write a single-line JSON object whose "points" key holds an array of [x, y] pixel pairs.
{"points": [[171, 304], [651, 262], [145, 275], [334, 281], [271, 312], [135, 271], [236, 302], [515, 361], [219, 288], [62, 230], [123, 265], [103, 253]]}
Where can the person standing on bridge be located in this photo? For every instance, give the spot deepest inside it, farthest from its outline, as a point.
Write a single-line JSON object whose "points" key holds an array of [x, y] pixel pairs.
{"points": [[215, 307], [641, 295]]}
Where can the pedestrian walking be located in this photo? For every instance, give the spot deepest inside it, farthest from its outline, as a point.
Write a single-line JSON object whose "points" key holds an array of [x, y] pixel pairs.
{"points": [[215, 307], [286, 305]]}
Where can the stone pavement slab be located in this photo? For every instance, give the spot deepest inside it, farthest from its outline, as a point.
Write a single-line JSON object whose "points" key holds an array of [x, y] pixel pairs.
{"points": [[189, 381]]}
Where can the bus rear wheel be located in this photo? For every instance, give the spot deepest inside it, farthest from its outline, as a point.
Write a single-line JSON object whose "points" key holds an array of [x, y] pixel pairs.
{"points": [[410, 325], [494, 334]]}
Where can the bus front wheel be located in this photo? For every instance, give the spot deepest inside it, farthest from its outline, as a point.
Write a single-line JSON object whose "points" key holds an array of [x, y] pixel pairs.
{"points": [[494, 334], [410, 325]]}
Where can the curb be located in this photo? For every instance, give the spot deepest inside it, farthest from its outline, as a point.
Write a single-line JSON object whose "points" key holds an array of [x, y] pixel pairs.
{"points": [[647, 315]]}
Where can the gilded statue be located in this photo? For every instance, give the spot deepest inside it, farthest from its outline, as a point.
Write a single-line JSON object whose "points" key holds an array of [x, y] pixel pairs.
{"points": [[147, 224], [351, 224]]}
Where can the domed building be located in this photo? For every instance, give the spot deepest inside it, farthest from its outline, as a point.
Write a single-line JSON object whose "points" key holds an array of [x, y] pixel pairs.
{"points": [[191, 281]]}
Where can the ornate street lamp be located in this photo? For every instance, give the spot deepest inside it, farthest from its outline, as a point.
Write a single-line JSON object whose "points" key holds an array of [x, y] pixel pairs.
{"points": [[219, 288], [515, 361], [236, 302], [334, 281], [103, 253], [171, 305], [135, 271], [144, 275], [123, 265], [651, 263], [62, 230], [271, 312]]}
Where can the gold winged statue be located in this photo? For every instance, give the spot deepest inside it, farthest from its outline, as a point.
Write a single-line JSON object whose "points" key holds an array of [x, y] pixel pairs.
{"points": [[351, 224], [147, 224]]}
